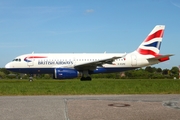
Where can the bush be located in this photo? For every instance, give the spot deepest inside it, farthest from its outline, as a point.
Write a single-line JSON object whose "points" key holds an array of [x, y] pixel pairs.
{"points": [[2, 75], [11, 76], [47, 76]]}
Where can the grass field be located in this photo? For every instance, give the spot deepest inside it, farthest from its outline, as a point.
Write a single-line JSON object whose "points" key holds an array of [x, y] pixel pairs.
{"points": [[94, 87]]}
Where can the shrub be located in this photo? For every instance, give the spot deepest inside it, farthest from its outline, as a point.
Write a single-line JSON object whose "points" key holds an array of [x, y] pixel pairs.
{"points": [[2, 75]]}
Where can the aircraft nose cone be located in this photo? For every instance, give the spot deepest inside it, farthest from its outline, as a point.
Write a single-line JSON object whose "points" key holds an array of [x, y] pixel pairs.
{"points": [[7, 65]]}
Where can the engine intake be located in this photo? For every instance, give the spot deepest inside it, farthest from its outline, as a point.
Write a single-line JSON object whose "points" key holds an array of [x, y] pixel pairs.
{"points": [[65, 73]]}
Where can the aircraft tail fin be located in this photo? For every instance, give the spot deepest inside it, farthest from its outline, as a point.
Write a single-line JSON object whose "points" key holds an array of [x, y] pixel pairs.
{"points": [[151, 45]]}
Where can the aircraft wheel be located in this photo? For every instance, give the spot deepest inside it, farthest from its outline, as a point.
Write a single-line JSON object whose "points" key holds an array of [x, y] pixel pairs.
{"points": [[82, 79], [30, 79], [86, 79]]}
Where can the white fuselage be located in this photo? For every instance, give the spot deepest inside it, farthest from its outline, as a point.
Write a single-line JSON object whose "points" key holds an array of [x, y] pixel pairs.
{"points": [[49, 61]]}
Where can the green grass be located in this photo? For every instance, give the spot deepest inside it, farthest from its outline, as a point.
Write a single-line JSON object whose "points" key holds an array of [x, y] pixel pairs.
{"points": [[94, 87]]}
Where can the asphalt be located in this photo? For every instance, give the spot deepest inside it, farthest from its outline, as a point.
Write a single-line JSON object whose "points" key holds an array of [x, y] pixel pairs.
{"points": [[91, 107]]}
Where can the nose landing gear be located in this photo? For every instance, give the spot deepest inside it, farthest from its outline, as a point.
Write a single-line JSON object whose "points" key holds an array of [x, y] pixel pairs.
{"points": [[31, 78]]}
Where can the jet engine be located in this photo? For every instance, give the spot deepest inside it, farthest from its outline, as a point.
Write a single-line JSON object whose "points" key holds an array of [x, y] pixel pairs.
{"points": [[65, 73]]}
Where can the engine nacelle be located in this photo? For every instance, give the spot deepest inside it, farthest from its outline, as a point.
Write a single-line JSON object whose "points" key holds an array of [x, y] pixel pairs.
{"points": [[65, 73]]}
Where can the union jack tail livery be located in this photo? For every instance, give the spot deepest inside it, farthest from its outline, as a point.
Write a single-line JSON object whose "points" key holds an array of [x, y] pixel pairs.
{"points": [[151, 45]]}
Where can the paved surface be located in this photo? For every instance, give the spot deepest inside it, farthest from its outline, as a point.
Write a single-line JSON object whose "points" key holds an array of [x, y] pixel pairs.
{"points": [[87, 107]]}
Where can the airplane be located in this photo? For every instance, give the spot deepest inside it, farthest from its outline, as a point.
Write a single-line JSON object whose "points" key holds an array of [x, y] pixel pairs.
{"points": [[71, 65]]}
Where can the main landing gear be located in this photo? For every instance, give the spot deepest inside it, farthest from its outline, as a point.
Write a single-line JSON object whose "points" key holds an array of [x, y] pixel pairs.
{"points": [[85, 76]]}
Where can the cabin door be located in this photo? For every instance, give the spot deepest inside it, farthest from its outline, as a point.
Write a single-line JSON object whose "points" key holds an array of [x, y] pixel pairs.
{"points": [[133, 60]]}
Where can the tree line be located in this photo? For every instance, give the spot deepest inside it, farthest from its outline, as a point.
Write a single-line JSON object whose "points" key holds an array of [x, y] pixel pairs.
{"points": [[144, 73], [140, 73]]}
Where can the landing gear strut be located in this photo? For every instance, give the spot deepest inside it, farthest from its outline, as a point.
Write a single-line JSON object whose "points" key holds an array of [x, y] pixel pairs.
{"points": [[31, 78], [85, 76]]}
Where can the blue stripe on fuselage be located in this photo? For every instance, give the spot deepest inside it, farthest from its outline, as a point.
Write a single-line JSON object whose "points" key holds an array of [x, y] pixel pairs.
{"points": [[51, 70], [33, 70], [111, 70]]}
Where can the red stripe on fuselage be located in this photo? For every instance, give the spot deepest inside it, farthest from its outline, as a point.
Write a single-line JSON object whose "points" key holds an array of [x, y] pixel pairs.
{"points": [[36, 57], [157, 34]]}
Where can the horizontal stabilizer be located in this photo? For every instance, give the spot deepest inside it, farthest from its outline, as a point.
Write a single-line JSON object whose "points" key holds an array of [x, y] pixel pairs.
{"points": [[161, 58]]}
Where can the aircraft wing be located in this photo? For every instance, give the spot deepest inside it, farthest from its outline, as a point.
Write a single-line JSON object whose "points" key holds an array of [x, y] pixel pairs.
{"points": [[94, 64]]}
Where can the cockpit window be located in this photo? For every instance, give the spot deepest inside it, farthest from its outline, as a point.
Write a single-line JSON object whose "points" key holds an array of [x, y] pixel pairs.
{"points": [[17, 59]]}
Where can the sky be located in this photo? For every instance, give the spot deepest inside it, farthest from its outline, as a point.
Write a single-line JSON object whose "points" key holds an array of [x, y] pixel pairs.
{"points": [[86, 26]]}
